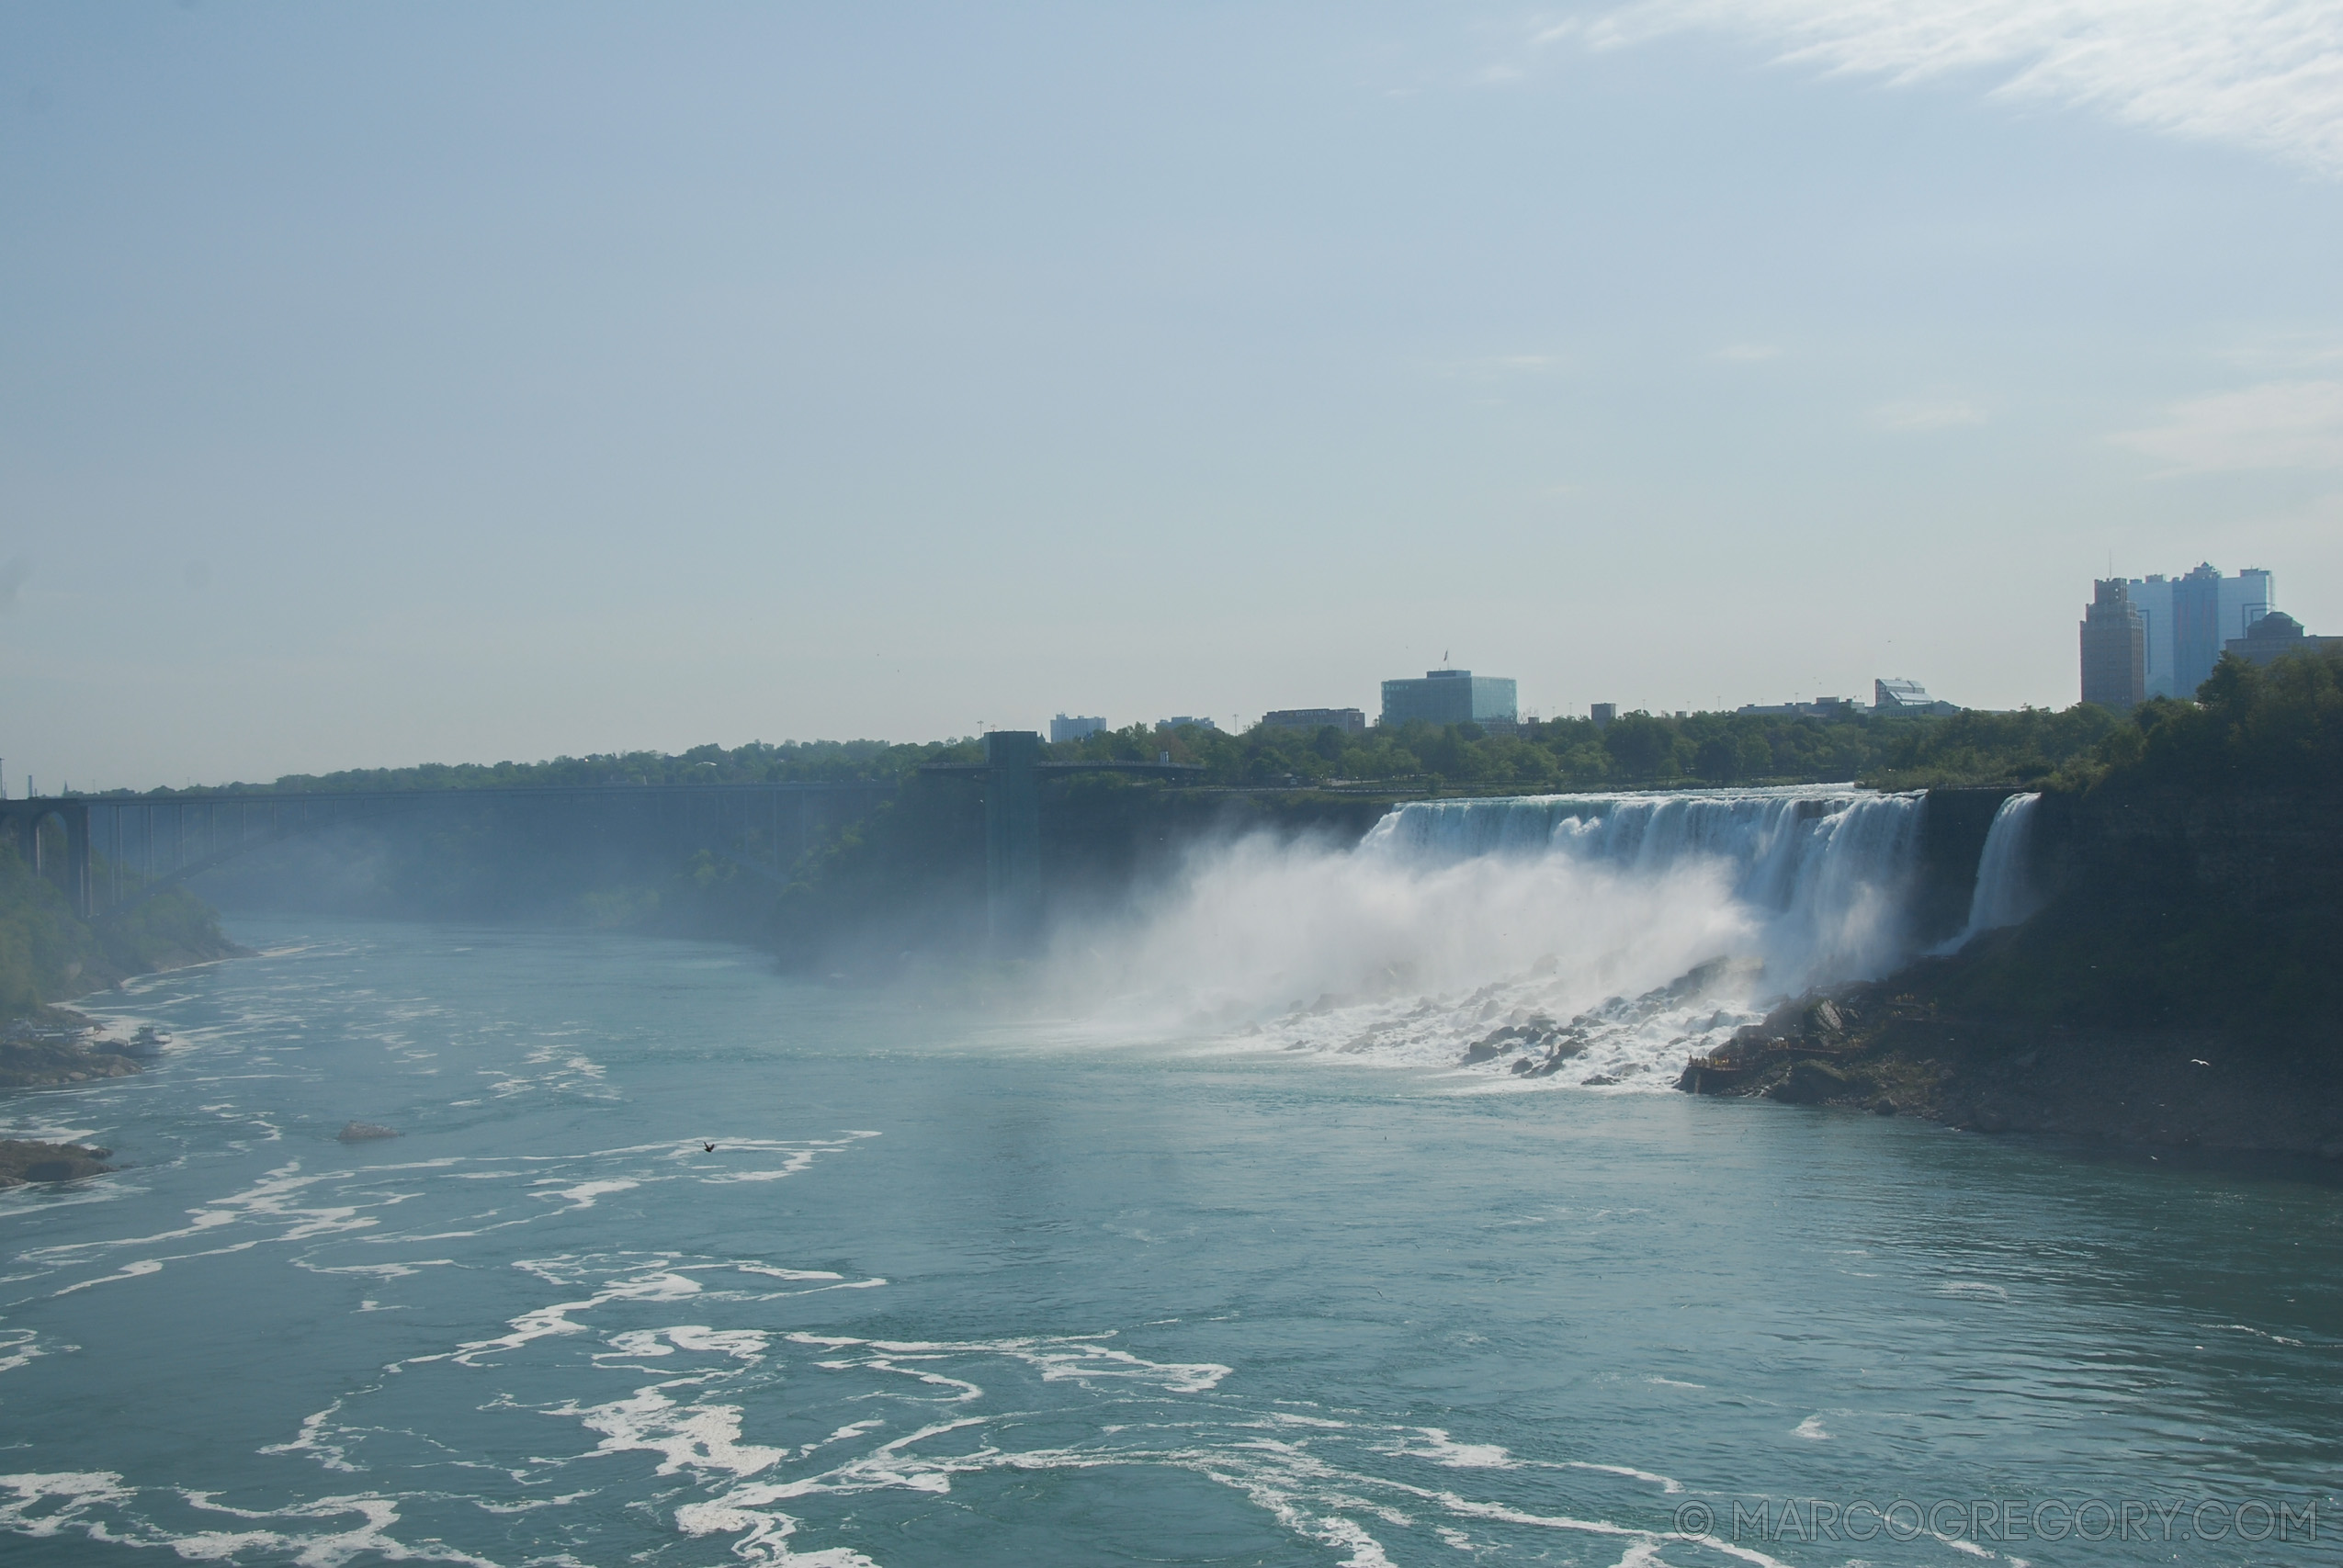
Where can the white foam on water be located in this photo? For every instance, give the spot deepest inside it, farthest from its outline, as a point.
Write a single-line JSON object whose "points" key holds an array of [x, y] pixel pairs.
{"points": [[582, 1195], [100, 1506], [137, 1268], [1434, 1444], [74, 1496], [18, 1347], [314, 1439], [664, 1285], [928, 1416], [704, 1438], [379, 1270], [275, 1204], [1664, 1483], [370, 1537], [744, 1344], [765, 1534], [1055, 1359]]}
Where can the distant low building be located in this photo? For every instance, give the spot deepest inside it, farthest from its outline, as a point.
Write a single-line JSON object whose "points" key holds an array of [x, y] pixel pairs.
{"points": [[1602, 713], [1183, 720], [1451, 696], [1821, 707], [2114, 648], [1063, 729], [1907, 698], [1350, 721], [2274, 634]]}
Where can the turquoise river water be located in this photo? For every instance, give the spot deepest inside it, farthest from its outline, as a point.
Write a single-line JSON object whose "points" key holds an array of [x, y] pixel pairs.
{"points": [[957, 1289]]}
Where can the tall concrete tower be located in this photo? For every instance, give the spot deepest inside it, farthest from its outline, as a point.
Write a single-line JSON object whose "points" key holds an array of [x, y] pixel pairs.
{"points": [[2114, 648]]}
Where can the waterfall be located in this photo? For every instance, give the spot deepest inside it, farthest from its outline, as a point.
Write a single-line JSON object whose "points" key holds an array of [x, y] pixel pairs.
{"points": [[2005, 894], [1825, 871], [1654, 923]]}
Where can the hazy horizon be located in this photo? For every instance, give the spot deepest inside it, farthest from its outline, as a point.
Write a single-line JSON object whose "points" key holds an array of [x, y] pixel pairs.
{"points": [[452, 385]]}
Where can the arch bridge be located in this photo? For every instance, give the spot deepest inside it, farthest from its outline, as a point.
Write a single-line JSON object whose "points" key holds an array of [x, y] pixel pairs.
{"points": [[123, 850]]}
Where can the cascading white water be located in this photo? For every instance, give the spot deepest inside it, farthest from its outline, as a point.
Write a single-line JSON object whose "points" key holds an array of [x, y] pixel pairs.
{"points": [[1826, 871], [2005, 895], [1654, 924]]}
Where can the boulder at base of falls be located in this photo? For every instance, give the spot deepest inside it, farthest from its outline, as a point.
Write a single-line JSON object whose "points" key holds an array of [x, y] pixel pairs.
{"points": [[21, 1162], [360, 1132], [1810, 1082]]}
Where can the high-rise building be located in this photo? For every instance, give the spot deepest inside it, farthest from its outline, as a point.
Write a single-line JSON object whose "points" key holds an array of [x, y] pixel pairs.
{"points": [[2187, 620], [2152, 597], [1064, 729], [2114, 648], [1451, 696]]}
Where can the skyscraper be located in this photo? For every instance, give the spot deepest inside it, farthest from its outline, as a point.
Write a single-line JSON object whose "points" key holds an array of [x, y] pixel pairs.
{"points": [[2114, 648], [2187, 620]]}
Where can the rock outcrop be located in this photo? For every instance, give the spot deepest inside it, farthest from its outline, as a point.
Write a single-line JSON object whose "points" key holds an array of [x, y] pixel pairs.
{"points": [[57, 1049], [22, 1162], [1891, 1047]]}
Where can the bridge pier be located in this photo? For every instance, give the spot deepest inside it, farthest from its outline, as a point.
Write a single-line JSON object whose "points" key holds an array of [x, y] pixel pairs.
{"points": [[22, 819], [1012, 838], [1012, 773]]}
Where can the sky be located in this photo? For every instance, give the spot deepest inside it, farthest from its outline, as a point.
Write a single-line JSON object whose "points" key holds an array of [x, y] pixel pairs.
{"points": [[383, 384]]}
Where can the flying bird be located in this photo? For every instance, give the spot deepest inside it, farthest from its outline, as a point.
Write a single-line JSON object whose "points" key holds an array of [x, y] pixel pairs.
{"points": [[709, 1147]]}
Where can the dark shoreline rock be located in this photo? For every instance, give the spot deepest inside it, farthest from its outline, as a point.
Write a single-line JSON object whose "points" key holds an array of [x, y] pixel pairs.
{"points": [[53, 1048], [22, 1163], [1891, 1047]]}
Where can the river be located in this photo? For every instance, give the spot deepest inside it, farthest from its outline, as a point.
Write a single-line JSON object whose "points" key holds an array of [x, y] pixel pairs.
{"points": [[956, 1287]]}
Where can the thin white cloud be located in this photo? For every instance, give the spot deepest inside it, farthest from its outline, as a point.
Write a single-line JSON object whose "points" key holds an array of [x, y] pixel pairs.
{"points": [[1509, 365], [2279, 424], [2265, 75], [1923, 414], [2277, 352]]}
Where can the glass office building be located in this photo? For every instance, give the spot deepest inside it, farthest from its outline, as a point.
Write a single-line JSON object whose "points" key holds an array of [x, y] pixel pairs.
{"points": [[2187, 621], [1451, 696]]}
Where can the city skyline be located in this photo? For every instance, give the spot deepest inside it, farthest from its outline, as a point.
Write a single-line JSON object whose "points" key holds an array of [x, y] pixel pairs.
{"points": [[2257, 588], [387, 385]]}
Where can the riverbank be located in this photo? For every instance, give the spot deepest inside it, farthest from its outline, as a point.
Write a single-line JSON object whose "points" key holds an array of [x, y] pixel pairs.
{"points": [[48, 955], [54, 1047], [1918, 1044]]}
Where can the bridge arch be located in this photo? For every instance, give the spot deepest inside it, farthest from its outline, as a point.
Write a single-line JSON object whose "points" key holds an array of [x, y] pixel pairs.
{"points": [[150, 843]]}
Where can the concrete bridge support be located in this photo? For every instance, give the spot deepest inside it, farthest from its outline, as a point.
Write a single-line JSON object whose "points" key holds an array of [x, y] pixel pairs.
{"points": [[1011, 837], [1012, 773], [22, 820]]}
